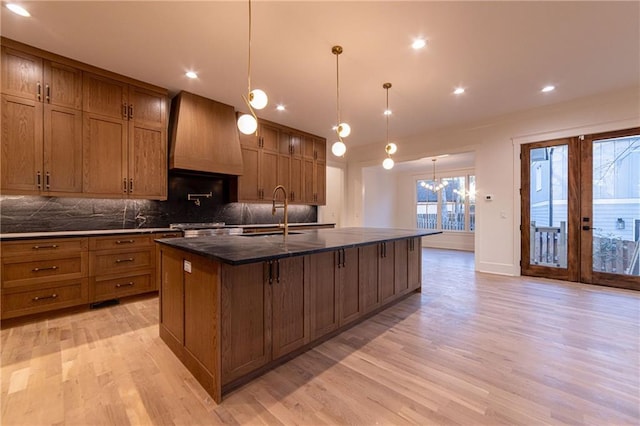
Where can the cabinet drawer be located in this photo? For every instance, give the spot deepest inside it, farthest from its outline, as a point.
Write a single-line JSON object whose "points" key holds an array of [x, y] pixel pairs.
{"points": [[64, 294], [124, 242], [44, 246], [122, 286], [23, 271], [123, 261]]}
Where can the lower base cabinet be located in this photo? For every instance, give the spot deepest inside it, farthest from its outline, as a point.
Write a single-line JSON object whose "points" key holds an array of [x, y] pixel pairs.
{"points": [[225, 322]]}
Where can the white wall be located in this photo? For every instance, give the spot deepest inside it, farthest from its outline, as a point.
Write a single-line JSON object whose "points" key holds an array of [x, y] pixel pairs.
{"points": [[335, 209], [379, 197], [496, 143]]}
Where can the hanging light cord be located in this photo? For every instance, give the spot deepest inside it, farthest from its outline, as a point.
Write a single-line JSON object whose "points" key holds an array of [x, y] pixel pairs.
{"points": [[337, 91], [249, 61], [387, 115]]}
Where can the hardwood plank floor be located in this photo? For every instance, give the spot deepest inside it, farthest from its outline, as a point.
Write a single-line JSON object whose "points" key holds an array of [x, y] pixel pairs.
{"points": [[471, 349]]}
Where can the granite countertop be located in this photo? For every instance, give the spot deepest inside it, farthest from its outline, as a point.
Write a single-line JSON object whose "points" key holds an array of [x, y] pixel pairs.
{"points": [[250, 248], [97, 232], [102, 232]]}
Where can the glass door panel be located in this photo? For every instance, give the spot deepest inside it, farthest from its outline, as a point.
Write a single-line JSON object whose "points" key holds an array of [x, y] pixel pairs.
{"points": [[547, 216], [612, 204]]}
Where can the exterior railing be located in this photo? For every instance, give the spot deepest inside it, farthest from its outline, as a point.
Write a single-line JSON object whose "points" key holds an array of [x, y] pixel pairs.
{"points": [[615, 255], [548, 245]]}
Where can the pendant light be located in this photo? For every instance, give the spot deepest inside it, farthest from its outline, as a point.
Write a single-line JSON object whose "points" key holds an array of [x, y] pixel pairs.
{"points": [[391, 148], [342, 129], [435, 187], [255, 99]]}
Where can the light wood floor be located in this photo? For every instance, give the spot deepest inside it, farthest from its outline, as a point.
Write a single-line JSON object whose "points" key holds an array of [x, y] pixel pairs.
{"points": [[471, 349]]}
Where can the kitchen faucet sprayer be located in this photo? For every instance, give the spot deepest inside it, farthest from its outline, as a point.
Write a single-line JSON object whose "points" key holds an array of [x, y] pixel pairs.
{"points": [[284, 206]]}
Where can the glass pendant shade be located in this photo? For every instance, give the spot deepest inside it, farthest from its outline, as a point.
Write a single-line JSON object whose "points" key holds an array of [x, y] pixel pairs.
{"points": [[344, 130], [391, 148], [338, 148], [388, 163], [247, 124], [258, 99]]}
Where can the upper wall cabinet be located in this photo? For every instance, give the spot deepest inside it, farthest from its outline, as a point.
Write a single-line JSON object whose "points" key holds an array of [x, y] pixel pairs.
{"points": [[279, 155], [70, 129], [204, 136], [41, 125], [124, 140]]}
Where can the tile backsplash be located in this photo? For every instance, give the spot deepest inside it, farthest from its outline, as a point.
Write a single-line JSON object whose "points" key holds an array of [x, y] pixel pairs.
{"points": [[40, 214]]}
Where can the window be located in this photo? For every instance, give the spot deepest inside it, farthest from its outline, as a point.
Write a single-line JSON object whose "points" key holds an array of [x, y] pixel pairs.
{"points": [[450, 209]]}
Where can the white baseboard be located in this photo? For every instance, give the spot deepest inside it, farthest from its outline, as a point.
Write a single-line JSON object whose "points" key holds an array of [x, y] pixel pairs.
{"points": [[498, 268]]}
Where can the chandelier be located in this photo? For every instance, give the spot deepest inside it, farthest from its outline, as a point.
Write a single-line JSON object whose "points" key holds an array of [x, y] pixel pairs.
{"points": [[435, 187]]}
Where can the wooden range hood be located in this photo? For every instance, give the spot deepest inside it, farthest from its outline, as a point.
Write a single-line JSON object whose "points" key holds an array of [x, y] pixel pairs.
{"points": [[203, 136]]}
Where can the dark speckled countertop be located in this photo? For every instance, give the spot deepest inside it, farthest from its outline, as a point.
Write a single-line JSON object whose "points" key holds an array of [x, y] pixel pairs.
{"points": [[250, 248]]}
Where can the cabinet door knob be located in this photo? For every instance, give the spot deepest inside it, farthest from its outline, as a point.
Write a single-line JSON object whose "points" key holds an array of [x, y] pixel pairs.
{"points": [[47, 178], [130, 111], [124, 111], [39, 91], [124, 185], [48, 93], [39, 179]]}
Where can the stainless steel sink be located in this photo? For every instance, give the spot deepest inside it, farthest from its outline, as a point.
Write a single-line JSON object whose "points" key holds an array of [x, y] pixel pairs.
{"points": [[188, 233], [258, 234]]}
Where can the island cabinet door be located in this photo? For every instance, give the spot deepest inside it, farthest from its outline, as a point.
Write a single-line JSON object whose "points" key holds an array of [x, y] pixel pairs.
{"points": [[170, 265], [201, 318], [414, 263], [290, 305], [323, 290], [401, 277], [351, 299], [386, 271], [245, 319], [368, 276]]}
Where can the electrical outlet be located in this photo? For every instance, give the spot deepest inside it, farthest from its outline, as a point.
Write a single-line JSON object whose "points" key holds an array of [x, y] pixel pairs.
{"points": [[187, 266]]}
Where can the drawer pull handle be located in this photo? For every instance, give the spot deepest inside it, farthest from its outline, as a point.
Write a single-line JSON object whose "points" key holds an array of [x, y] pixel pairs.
{"points": [[51, 246], [129, 259], [52, 296], [49, 268], [129, 284], [170, 235], [125, 242]]}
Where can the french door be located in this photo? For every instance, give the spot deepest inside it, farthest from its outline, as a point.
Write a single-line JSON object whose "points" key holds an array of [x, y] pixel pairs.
{"points": [[581, 209]]}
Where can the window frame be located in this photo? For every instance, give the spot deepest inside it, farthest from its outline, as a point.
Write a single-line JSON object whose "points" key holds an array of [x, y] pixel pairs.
{"points": [[447, 174]]}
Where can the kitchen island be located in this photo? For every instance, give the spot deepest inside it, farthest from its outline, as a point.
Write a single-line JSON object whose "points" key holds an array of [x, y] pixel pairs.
{"points": [[232, 307]]}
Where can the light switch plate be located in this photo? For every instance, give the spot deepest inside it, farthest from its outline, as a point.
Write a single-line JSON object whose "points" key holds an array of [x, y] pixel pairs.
{"points": [[187, 266]]}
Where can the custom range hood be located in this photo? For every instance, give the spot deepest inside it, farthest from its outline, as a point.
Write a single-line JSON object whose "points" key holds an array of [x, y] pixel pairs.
{"points": [[203, 136]]}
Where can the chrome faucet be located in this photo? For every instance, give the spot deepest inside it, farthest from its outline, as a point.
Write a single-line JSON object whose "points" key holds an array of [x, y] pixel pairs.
{"points": [[284, 206]]}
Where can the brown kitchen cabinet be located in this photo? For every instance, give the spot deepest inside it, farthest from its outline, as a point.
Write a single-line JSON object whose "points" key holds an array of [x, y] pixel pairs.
{"points": [[281, 156], [350, 287], [368, 276], [414, 263], [69, 130], [124, 140], [290, 305], [43, 275], [41, 125], [252, 316], [264, 314], [245, 319], [122, 265], [324, 291], [401, 266], [260, 158]]}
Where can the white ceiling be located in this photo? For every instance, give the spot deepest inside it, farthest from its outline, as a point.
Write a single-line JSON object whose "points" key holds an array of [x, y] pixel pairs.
{"points": [[501, 52]]}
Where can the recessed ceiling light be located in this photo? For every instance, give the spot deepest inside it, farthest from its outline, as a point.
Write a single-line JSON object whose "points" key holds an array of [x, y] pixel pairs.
{"points": [[17, 9], [546, 89], [419, 43], [387, 112], [280, 108], [458, 91], [191, 74]]}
